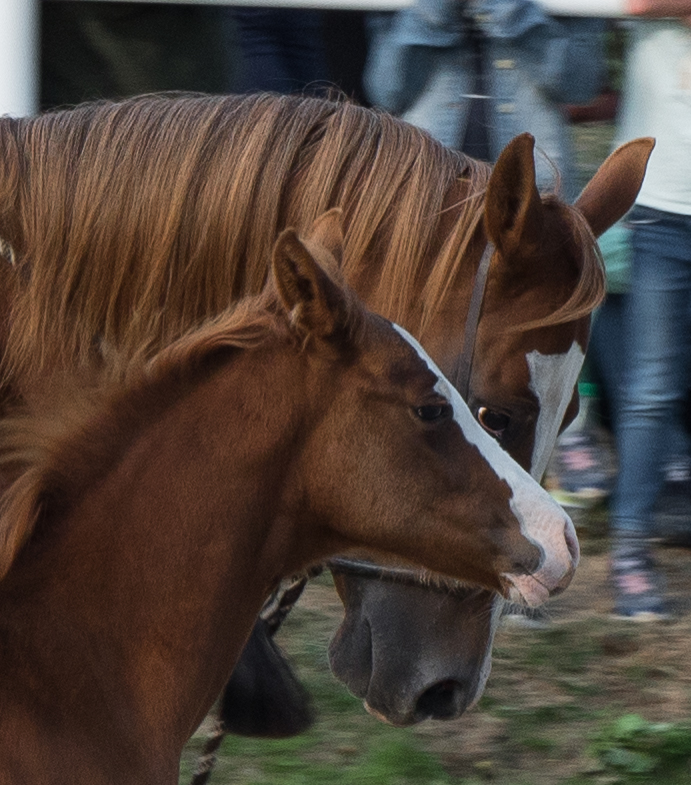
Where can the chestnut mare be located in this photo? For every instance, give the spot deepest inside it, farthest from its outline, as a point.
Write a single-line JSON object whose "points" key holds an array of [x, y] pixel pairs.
{"points": [[188, 194], [147, 519]]}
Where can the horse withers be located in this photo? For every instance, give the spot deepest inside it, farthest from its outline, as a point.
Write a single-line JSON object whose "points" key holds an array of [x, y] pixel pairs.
{"points": [[148, 516]]}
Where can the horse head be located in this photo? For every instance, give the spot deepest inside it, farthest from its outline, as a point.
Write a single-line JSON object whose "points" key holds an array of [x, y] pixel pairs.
{"points": [[530, 342], [170, 494], [202, 228]]}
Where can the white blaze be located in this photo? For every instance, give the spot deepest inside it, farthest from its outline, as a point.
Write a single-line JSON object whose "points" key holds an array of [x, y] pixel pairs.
{"points": [[541, 519], [552, 379]]}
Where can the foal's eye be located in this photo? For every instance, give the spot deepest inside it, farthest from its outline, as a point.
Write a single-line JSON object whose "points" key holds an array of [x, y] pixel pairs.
{"points": [[493, 422], [433, 411]]}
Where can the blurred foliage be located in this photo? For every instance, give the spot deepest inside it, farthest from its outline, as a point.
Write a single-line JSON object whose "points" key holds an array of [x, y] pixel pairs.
{"points": [[643, 751]]}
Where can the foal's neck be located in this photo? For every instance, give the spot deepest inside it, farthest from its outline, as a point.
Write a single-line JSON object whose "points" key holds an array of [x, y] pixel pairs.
{"points": [[156, 575]]}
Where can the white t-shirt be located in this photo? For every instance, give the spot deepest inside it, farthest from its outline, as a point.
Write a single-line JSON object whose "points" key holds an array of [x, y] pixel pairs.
{"points": [[657, 102]]}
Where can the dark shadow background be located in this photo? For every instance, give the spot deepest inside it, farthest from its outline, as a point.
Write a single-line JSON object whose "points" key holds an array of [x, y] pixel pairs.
{"points": [[114, 50]]}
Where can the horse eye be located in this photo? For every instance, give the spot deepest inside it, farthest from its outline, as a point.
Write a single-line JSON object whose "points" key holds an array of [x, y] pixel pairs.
{"points": [[493, 422], [432, 412]]}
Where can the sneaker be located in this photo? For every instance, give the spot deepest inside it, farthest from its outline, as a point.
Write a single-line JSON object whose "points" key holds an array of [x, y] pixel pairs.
{"points": [[638, 588], [673, 510], [581, 474]]}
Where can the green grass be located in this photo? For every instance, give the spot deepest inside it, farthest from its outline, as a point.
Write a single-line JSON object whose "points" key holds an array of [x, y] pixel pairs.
{"points": [[640, 751], [347, 753]]}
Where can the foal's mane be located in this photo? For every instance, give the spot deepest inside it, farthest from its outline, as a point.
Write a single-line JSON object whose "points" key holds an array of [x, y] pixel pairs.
{"points": [[56, 446]]}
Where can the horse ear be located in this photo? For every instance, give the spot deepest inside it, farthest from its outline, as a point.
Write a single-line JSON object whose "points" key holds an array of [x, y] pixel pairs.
{"points": [[513, 209], [615, 186], [316, 303]]}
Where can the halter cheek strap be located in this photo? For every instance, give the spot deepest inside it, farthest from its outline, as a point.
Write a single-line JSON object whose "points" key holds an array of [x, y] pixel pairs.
{"points": [[464, 366]]}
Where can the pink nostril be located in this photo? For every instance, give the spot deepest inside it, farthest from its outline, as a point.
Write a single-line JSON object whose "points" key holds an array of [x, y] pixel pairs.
{"points": [[572, 541]]}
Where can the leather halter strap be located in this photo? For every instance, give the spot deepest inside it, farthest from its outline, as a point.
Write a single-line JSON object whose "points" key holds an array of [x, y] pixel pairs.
{"points": [[464, 365]]}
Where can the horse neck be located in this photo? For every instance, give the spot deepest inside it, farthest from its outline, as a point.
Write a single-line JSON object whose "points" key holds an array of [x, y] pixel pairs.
{"points": [[160, 569]]}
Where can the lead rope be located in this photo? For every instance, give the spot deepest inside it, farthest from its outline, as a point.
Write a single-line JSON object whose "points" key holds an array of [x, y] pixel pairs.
{"points": [[274, 613]]}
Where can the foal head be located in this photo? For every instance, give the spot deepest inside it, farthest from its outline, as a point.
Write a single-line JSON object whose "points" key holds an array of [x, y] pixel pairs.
{"points": [[394, 451]]}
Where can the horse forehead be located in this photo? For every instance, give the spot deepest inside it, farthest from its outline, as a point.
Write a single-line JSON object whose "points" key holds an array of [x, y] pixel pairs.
{"points": [[396, 358], [439, 381], [472, 432]]}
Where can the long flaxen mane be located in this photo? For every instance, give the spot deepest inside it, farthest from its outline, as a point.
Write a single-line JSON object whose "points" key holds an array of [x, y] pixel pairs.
{"points": [[131, 222]]}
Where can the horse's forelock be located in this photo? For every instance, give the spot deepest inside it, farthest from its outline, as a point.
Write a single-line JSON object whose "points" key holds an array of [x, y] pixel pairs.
{"points": [[590, 288]]}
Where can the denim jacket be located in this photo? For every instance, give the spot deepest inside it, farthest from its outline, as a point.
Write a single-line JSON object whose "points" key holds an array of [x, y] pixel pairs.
{"points": [[421, 66]]}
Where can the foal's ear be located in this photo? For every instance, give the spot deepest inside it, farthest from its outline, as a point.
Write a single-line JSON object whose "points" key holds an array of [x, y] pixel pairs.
{"points": [[615, 186], [513, 209], [316, 303]]}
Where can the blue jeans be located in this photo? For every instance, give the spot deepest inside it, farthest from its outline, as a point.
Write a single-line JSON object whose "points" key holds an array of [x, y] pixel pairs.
{"points": [[657, 335], [283, 49]]}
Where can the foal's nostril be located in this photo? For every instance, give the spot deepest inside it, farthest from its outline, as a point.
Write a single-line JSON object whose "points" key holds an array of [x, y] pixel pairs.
{"points": [[444, 700]]}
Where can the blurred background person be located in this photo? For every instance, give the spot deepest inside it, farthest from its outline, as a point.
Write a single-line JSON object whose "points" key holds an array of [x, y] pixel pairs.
{"points": [[476, 73], [284, 49], [656, 315]]}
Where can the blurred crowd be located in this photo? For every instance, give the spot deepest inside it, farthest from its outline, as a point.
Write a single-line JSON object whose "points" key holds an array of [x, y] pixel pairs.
{"points": [[475, 73]]}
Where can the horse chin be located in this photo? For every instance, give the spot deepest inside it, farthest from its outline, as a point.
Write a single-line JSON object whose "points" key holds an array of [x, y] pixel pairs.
{"points": [[525, 590]]}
